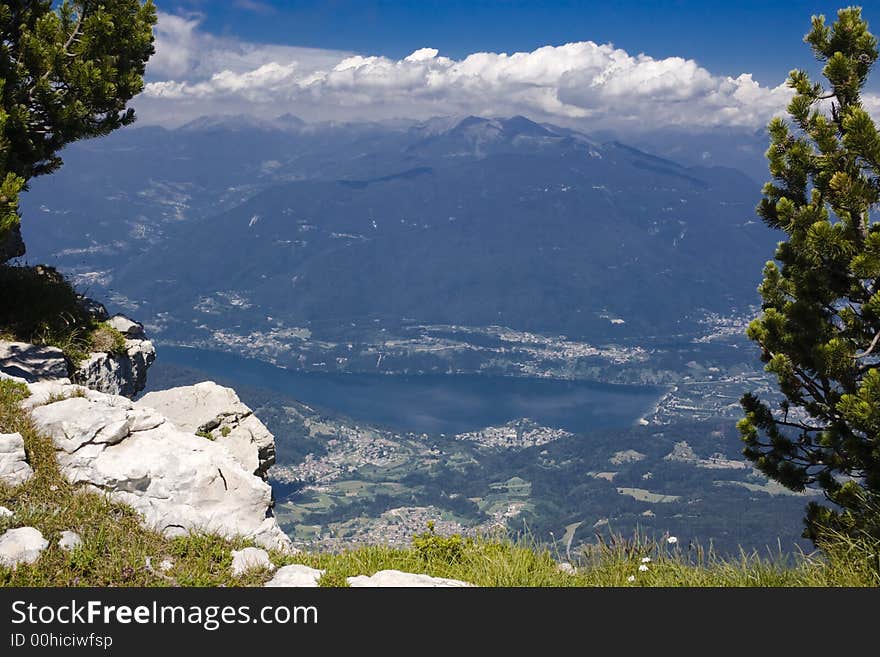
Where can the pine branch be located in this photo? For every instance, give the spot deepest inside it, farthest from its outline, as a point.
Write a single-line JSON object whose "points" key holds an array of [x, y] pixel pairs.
{"points": [[73, 35], [798, 425], [870, 348]]}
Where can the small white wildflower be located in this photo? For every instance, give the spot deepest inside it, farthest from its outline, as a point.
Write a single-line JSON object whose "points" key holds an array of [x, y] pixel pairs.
{"points": [[646, 559], [672, 540], [643, 568], [53, 488], [631, 578]]}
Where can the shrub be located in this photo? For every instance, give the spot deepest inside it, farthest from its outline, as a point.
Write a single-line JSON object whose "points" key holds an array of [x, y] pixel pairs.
{"points": [[107, 339], [432, 547]]}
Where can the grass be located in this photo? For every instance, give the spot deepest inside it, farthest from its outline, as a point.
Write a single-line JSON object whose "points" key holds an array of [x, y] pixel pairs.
{"points": [[506, 562], [58, 396], [41, 307], [107, 339], [116, 549]]}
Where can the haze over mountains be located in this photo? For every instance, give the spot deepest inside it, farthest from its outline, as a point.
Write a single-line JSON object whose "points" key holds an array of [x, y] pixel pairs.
{"points": [[455, 246], [235, 223]]}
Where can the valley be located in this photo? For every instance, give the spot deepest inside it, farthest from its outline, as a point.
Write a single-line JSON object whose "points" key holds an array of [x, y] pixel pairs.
{"points": [[487, 323], [372, 458]]}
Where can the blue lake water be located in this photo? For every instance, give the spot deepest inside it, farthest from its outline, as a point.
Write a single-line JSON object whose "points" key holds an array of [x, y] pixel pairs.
{"points": [[432, 403]]}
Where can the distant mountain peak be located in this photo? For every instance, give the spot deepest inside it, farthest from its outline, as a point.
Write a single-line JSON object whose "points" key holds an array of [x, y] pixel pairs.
{"points": [[240, 122], [224, 121], [289, 119], [513, 126], [520, 125], [472, 120]]}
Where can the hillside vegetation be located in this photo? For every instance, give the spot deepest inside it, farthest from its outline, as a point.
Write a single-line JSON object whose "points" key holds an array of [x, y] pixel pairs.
{"points": [[117, 551]]}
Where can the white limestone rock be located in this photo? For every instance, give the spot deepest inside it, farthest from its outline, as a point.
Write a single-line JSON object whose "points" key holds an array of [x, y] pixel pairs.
{"points": [[297, 575], [208, 407], [69, 541], [397, 578], [15, 379], [271, 536], [43, 391], [178, 481], [32, 363], [118, 374], [5, 513], [127, 326], [14, 468], [21, 546], [250, 558]]}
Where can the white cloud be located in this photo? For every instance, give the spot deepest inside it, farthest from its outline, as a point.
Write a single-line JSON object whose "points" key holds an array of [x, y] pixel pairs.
{"points": [[175, 46], [584, 83]]}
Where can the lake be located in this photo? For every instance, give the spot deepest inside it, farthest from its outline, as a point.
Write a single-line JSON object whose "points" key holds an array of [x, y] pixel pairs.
{"points": [[430, 403]]}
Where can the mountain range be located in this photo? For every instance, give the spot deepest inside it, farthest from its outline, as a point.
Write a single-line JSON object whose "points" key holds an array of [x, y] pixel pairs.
{"points": [[229, 223], [459, 245]]}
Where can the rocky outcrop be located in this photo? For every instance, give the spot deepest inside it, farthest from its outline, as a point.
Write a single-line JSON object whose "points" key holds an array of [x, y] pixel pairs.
{"points": [[146, 458], [32, 363], [210, 409], [297, 575], [93, 309], [119, 374], [21, 546], [127, 326], [11, 244], [396, 578], [250, 558], [45, 391], [116, 374], [178, 481], [302, 576], [14, 468]]}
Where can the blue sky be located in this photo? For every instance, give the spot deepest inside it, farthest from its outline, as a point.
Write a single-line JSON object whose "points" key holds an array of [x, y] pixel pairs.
{"points": [[618, 63], [761, 37]]}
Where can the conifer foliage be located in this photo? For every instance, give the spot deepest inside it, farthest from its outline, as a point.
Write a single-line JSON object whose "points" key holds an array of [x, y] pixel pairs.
{"points": [[820, 328], [67, 71]]}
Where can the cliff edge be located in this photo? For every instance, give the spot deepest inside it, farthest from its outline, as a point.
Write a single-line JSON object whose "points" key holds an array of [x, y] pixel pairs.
{"points": [[192, 459]]}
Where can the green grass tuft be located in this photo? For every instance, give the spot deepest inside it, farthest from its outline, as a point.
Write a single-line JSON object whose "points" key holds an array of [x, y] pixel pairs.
{"points": [[107, 339]]}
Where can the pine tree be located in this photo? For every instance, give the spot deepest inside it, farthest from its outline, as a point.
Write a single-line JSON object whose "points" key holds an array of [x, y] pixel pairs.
{"points": [[820, 328], [66, 73]]}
